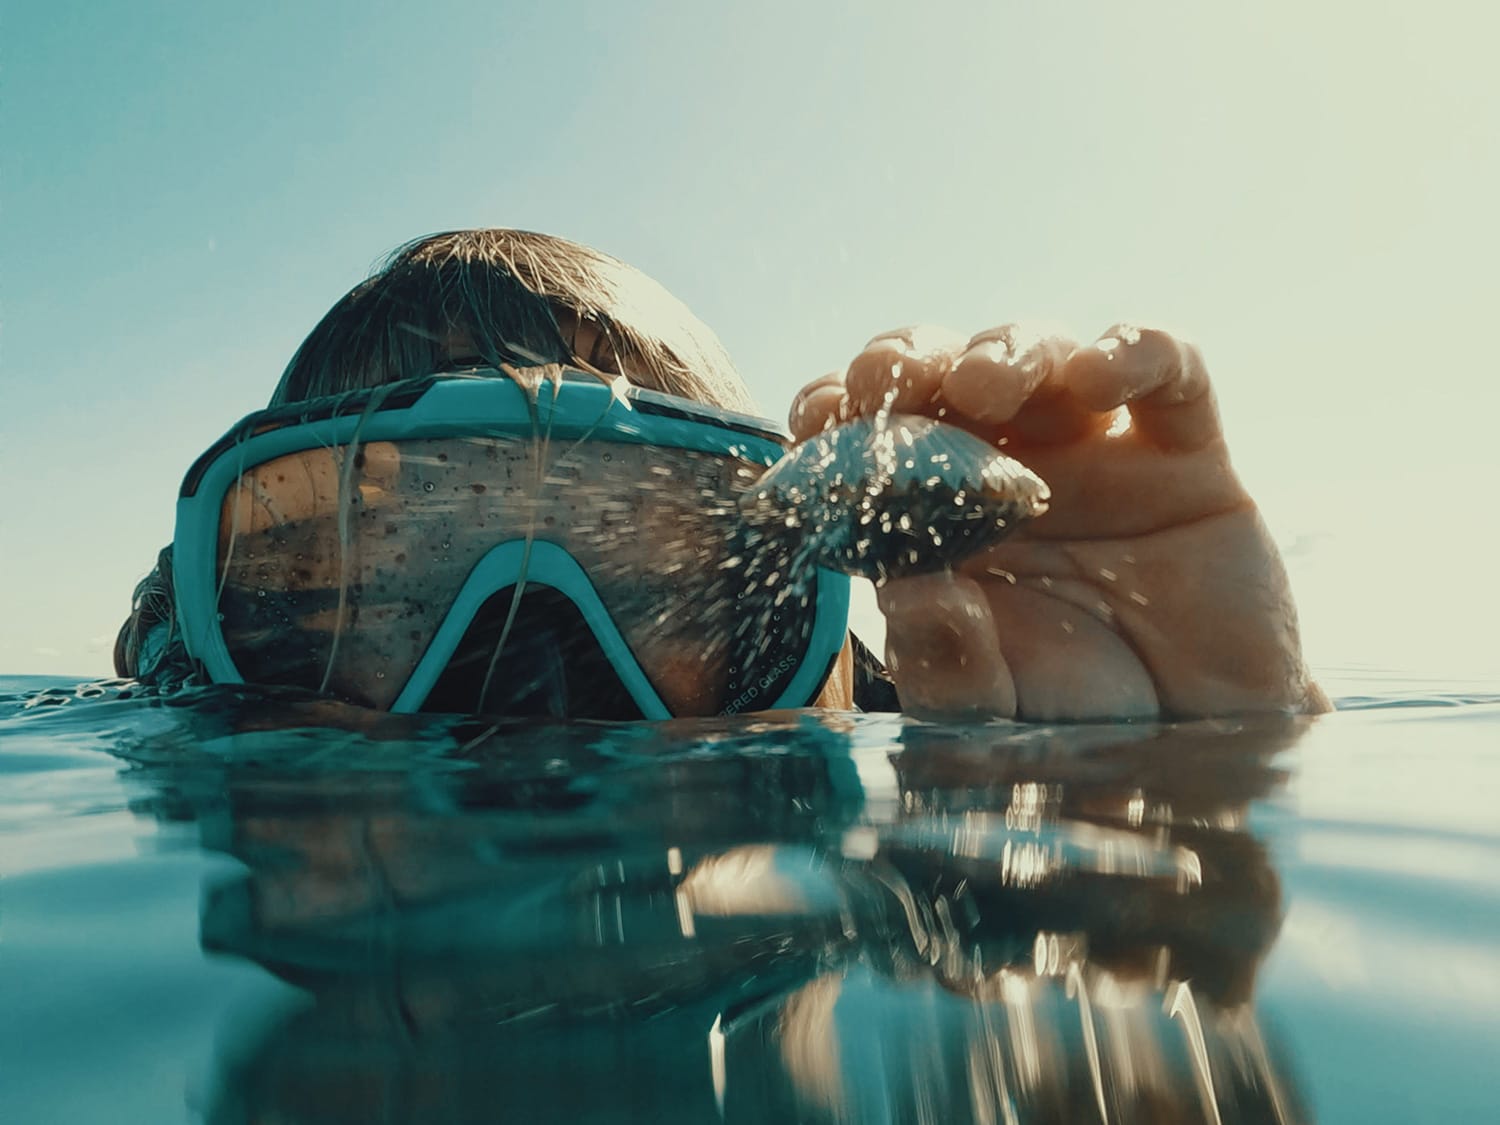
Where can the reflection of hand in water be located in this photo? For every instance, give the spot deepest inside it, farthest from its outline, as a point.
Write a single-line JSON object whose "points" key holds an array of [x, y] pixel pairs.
{"points": [[708, 913], [1087, 917], [1149, 587], [1136, 845]]}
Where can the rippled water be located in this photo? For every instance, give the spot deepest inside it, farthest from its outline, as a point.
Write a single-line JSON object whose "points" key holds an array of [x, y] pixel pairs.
{"points": [[236, 907]]}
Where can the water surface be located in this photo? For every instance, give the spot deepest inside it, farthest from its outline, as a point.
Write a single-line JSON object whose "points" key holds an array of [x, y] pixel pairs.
{"points": [[238, 906]]}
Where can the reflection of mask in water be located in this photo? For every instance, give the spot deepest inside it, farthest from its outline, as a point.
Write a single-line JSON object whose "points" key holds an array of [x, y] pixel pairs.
{"points": [[894, 495]]}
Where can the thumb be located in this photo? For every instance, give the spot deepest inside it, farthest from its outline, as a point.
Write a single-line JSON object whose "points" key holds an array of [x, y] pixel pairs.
{"points": [[943, 649]]}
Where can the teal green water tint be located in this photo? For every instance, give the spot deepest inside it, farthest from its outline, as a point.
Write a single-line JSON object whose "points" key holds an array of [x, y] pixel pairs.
{"points": [[238, 905]]}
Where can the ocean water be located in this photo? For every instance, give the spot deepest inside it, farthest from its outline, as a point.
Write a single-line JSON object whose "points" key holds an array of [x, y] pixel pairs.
{"points": [[248, 907]]}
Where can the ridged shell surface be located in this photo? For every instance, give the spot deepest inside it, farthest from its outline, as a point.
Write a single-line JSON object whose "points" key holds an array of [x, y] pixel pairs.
{"points": [[885, 497]]}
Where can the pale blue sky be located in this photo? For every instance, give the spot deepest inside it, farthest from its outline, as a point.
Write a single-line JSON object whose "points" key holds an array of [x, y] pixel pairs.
{"points": [[184, 189]]}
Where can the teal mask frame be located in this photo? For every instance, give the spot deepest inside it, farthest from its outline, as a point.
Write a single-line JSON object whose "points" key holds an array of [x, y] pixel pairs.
{"points": [[481, 403]]}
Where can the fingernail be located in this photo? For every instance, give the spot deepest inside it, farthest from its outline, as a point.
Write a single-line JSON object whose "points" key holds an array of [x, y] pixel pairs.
{"points": [[1122, 335], [996, 352]]}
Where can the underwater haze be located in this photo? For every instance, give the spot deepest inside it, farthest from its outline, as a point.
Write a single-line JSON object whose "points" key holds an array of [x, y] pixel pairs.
{"points": [[236, 905]]}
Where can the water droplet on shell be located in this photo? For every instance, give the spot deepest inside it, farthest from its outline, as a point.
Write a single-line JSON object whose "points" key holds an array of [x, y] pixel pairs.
{"points": [[899, 496]]}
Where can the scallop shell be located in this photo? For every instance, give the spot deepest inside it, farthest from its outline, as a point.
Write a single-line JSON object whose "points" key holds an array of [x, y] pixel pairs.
{"points": [[885, 497]]}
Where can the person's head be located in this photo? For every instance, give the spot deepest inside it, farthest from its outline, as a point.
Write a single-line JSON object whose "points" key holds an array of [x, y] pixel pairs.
{"points": [[490, 296], [486, 303]]}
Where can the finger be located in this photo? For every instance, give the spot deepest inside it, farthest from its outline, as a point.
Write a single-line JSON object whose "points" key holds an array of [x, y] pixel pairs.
{"points": [[943, 648], [817, 406], [1009, 378], [901, 370], [1161, 379]]}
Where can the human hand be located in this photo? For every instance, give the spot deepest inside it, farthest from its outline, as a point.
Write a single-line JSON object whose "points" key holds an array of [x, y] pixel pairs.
{"points": [[1150, 588]]}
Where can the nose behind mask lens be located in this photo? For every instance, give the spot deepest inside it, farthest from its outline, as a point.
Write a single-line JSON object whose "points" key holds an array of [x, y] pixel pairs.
{"points": [[548, 664]]}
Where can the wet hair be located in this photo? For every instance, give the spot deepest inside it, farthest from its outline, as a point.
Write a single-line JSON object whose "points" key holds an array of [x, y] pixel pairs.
{"points": [[506, 296]]}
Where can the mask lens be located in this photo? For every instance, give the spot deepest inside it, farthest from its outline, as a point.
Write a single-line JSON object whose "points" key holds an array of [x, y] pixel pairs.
{"points": [[337, 566]]}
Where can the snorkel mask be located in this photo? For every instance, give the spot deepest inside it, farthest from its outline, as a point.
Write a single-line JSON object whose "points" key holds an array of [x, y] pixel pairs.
{"points": [[461, 542]]}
